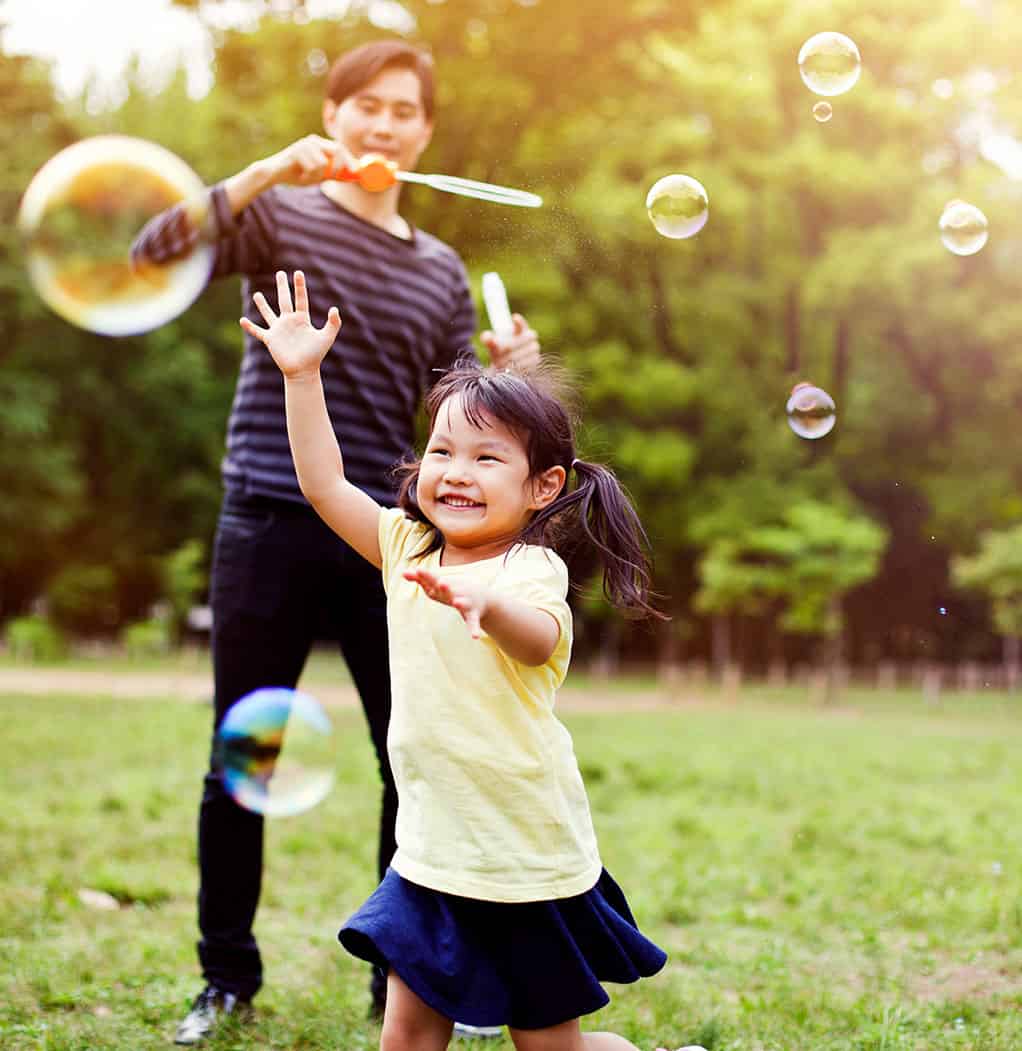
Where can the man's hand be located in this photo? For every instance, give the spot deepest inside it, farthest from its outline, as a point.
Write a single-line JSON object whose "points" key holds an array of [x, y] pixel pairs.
{"points": [[296, 345], [471, 602], [308, 161], [520, 349]]}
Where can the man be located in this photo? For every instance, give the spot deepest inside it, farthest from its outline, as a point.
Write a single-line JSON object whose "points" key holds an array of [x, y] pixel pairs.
{"points": [[279, 574]]}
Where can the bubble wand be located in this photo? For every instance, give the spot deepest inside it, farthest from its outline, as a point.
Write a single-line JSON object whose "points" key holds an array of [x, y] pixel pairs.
{"points": [[377, 173]]}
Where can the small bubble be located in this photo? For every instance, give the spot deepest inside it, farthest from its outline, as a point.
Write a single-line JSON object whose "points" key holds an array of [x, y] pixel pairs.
{"points": [[942, 611], [963, 228], [959, 1024], [823, 111], [811, 412], [996, 869]]}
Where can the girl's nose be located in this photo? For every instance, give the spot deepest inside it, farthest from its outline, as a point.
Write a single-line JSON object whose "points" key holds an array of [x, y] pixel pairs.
{"points": [[456, 472]]}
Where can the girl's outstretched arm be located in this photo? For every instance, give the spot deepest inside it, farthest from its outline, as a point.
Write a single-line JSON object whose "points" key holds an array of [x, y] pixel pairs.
{"points": [[525, 633], [298, 348]]}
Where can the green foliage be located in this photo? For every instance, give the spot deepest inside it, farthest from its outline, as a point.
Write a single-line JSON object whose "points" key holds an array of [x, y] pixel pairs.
{"points": [[183, 577], [820, 261], [147, 638], [83, 599], [996, 572], [803, 563], [34, 639]]}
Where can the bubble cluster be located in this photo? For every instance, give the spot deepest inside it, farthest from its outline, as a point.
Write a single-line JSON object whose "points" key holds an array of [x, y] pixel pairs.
{"points": [[78, 219], [963, 228], [829, 63], [274, 750], [811, 411], [678, 206]]}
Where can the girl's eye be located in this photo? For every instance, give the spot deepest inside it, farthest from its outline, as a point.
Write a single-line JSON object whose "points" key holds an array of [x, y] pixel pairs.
{"points": [[437, 452], [488, 457]]}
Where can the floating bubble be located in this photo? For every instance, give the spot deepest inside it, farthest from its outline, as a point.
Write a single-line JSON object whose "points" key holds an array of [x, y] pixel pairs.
{"points": [[823, 111], [78, 219], [811, 411], [963, 228], [678, 206], [942, 610], [275, 752], [829, 63]]}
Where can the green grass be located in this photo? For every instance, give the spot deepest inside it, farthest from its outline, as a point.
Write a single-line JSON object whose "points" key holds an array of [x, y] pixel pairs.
{"points": [[836, 880]]}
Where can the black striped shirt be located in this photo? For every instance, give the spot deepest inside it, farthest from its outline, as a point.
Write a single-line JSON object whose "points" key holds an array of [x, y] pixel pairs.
{"points": [[406, 310]]}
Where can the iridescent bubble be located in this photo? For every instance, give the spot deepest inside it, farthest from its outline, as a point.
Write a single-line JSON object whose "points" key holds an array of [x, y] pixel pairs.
{"points": [[678, 206], [79, 217], [823, 111], [275, 752], [811, 412], [963, 228], [829, 63]]}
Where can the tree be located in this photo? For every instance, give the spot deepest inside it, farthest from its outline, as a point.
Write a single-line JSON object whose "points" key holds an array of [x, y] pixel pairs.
{"points": [[995, 570]]}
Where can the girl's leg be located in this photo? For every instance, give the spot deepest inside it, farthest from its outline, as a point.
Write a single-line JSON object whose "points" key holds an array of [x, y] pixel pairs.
{"points": [[409, 1023], [568, 1037]]}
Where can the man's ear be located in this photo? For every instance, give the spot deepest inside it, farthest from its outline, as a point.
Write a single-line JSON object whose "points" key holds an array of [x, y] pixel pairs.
{"points": [[546, 487]]}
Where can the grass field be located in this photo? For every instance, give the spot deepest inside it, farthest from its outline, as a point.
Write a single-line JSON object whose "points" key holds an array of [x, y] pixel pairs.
{"points": [[844, 879]]}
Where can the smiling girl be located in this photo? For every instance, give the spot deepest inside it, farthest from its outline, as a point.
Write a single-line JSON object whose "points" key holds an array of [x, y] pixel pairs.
{"points": [[496, 909]]}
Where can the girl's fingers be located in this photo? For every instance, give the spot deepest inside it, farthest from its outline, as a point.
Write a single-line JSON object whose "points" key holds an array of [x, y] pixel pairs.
{"points": [[253, 330], [283, 293], [264, 308], [333, 323], [301, 293]]}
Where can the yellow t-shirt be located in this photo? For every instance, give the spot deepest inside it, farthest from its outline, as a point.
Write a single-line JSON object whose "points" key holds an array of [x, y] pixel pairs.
{"points": [[490, 799]]}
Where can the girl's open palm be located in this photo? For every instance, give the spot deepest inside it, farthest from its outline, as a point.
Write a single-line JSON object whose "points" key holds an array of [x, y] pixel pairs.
{"points": [[294, 343], [469, 601]]}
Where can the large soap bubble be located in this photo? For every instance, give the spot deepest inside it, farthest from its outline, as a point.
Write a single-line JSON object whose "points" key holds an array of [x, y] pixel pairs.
{"points": [[275, 752], [678, 206], [79, 217], [829, 63]]}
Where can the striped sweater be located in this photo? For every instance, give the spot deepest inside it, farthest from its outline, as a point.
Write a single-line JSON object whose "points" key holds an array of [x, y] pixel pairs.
{"points": [[406, 308]]}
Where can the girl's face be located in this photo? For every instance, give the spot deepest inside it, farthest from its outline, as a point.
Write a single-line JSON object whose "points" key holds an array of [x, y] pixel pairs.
{"points": [[474, 483]]}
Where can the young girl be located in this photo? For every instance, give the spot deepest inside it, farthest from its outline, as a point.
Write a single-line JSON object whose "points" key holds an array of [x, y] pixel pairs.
{"points": [[496, 909]]}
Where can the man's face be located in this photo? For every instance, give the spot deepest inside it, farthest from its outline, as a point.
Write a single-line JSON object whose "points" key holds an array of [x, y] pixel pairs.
{"points": [[384, 116]]}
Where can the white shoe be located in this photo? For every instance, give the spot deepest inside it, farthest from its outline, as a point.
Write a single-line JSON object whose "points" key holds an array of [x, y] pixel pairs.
{"points": [[477, 1032]]}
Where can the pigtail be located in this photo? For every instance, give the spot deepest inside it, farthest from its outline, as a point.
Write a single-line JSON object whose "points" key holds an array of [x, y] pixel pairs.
{"points": [[600, 510]]}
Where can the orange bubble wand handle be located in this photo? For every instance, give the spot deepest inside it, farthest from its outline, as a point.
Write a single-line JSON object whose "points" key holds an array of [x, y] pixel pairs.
{"points": [[372, 171]]}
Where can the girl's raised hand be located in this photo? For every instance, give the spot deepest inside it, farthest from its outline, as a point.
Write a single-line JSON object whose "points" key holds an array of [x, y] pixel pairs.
{"points": [[294, 343], [469, 601]]}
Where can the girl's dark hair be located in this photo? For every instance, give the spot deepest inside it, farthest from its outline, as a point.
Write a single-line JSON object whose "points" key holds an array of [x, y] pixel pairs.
{"points": [[595, 513], [354, 69]]}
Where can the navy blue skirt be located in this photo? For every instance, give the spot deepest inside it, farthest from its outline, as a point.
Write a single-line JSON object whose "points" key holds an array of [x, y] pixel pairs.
{"points": [[527, 965]]}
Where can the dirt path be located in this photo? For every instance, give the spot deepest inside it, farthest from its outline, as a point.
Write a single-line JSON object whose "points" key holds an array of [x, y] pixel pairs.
{"points": [[198, 688]]}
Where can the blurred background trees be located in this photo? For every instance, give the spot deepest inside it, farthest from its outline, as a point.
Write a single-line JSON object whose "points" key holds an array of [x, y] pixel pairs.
{"points": [[820, 262]]}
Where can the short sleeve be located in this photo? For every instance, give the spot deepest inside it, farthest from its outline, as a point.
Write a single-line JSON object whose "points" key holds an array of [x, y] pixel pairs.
{"points": [[399, 536], [539, 577]]}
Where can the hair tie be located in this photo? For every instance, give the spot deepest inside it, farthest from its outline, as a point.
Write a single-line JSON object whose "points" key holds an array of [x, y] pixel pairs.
{"points": [[574, 464]]}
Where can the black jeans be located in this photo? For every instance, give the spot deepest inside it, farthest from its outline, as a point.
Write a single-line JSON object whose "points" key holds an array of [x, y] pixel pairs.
{"points": [[281, 579]]}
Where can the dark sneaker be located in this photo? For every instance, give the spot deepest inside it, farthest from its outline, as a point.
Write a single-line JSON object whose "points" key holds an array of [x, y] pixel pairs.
{"points": [[477, 1032], [210, 1007]]}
